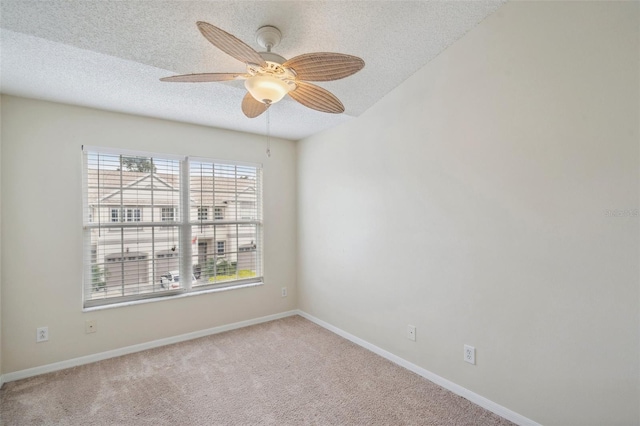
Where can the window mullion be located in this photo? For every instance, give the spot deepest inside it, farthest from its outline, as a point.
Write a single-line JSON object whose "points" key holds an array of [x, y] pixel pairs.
{"points": [[121, 229], [186, 270], [153, 229]]}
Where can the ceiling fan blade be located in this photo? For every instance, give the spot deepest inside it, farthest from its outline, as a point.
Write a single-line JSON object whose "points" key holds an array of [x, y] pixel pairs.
{"points": [[230, 44], [251, 107], [317, 98], [324, 66], [203, 78]]}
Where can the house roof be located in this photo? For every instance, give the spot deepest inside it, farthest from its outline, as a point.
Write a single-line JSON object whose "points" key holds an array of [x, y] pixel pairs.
{"points": [[140, 188]]}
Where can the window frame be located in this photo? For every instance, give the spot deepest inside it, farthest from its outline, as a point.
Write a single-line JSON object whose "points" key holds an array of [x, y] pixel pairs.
{"points": [[179, 218]]}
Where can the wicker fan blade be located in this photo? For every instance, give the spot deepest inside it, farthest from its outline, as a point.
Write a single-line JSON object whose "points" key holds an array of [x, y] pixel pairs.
{"points": [[317, 98], [230, 44], [323, 66], [203, 78], [251, 107]]}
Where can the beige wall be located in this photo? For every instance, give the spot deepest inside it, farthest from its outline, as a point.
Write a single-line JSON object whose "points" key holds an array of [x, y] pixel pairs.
{"points": [[1, 135], [471, 202], [42, 223]]}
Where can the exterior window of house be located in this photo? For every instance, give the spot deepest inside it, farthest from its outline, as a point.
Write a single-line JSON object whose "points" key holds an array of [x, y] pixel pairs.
{"points": [[203, 213], [122, 215], [124, 263], [168, 214], [218, 213], [133, 215]]}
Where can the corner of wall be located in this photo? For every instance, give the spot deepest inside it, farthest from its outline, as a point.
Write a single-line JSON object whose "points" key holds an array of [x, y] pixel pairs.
{"points": [[1, 100]]}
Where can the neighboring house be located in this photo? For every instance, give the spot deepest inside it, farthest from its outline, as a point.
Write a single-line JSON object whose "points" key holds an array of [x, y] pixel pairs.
{"points": [[217, 204]]}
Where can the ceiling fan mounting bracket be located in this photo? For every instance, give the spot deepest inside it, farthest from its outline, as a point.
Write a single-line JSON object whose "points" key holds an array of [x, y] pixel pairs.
{"points": [[268, 37]]}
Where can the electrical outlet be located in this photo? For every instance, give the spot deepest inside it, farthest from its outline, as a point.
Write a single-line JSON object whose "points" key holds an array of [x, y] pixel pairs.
{"points": [[470, 354], [284, 292], [42, 334], [90, 326], [411, 332]]}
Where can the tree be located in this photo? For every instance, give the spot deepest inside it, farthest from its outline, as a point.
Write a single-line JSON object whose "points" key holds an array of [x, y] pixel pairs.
{"points": [[225, 268], [98, 276], [138, 164], [209, 270]]}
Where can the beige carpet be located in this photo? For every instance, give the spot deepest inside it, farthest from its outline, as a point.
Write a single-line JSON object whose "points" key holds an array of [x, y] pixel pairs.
{"points": [[285, 372]]}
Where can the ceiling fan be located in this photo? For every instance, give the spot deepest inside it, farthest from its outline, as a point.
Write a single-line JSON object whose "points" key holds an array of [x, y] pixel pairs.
{"points": [[270, 77]]}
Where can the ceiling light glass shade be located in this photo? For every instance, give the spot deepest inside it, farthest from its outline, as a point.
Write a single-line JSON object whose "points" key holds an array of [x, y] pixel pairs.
{"points": [[266, 89]]}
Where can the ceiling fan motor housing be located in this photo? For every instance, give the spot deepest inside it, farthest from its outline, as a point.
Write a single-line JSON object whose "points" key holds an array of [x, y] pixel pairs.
{"points": [[272, 57]]}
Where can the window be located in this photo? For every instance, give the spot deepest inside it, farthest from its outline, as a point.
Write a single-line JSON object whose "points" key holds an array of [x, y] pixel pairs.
{"points": [[218, 215], [203, 213], [168, 214], [134, 215], [125, 262], [122, 215], [238, 188]]}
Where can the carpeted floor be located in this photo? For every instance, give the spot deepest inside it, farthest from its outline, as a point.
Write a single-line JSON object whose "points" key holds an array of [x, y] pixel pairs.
{"points": [[284, 372]]}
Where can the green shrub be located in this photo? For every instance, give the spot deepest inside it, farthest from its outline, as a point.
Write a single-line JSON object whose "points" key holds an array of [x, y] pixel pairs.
{"points": [[98, 278]]}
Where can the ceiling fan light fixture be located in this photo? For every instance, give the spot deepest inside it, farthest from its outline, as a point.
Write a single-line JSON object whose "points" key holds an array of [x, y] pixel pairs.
{"points": [[267, 89]]}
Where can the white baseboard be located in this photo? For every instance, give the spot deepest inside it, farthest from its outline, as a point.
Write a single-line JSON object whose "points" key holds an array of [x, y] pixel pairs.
{"points": [[457, 389], [441, 381], [30, 372]]}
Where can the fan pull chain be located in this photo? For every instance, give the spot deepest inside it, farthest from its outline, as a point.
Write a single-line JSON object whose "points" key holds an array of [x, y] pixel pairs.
{"points": [[268, 134]]}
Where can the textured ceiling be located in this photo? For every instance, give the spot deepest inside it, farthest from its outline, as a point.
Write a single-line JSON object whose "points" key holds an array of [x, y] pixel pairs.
{"points": [[110, 54]]}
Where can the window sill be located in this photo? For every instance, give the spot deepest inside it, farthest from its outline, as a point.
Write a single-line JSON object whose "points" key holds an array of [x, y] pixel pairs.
{"points": [[173, 297]]}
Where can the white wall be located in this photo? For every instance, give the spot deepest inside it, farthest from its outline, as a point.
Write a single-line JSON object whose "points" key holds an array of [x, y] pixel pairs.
{"points": [[471, 202], [42, 225]]}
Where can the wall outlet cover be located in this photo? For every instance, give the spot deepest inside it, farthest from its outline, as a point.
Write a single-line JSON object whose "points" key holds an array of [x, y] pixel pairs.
{"points": [[411, 332], [470, 354], [42, 334]]}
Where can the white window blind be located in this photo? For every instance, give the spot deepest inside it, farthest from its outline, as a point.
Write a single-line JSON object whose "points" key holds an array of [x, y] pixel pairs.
{"points": [[229, 243], [142, 229]]}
